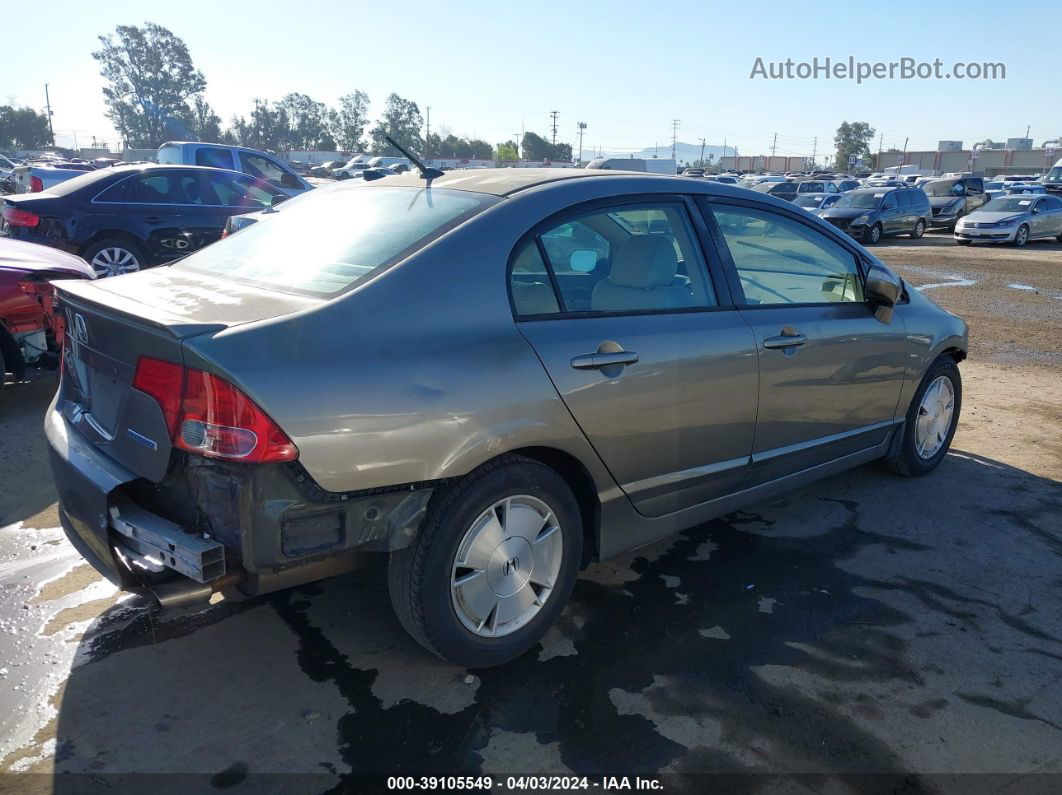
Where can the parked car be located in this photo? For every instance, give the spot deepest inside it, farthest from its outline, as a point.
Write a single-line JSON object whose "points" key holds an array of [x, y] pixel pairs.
{"points": [[693, 172], [1052, 180], [845, 185], [993, 190], [31, 334], [953, 198], [37, 177], [350, 169], [816, 203], [1012, 219], [869, 214], [1017, 188], [268, 439], [131, 217], [260, 165], [726, 179], [325, 170]]}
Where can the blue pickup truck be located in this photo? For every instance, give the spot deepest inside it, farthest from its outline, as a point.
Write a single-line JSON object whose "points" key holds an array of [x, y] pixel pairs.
{"points": [[234, 158]]}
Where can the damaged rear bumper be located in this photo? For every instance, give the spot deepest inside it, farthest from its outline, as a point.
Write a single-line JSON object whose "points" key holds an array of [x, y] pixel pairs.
{"points": [[259, 527]]}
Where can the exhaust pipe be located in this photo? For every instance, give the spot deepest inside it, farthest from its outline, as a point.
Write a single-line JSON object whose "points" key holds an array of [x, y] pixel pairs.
{"points": [[184, 592]]}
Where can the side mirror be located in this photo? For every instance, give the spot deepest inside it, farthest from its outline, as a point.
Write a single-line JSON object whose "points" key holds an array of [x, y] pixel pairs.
{"points": [[289, 180], [882, 290], [582, 260]]}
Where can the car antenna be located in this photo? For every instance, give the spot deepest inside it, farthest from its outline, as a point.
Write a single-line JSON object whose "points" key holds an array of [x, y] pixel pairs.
{"points": [[425, 172]]}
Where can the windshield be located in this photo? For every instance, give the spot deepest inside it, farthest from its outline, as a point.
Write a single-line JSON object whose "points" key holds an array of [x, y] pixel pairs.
{"points": [[941, 187], [1054, 176], [993, 185], [1008, 204], [808, 201], [860, 200], [330, 241]]}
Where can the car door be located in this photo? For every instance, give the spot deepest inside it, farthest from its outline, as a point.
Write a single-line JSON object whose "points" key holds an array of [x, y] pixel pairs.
{"points": [[229, 194], [265, 168], [1053, 210], [1043, 224], [890, 213], [975, 193], [645, 347], [830, 371], [163, 208]]}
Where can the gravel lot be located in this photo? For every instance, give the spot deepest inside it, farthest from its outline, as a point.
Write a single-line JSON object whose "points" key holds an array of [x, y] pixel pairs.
{"points": [[902, 634]]}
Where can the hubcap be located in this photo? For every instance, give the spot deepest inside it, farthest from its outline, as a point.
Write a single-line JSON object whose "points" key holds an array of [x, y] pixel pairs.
{"points": [[114, 261], [934, 417], [506, 566], [1023, 235]]}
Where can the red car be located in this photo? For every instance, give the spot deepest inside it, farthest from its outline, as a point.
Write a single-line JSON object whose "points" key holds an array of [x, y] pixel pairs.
{"points": [[30, 332]]}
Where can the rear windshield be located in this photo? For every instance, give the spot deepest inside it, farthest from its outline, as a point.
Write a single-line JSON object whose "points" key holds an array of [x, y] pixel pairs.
{"points": [[68, 186], [329, 241], [941, 187], [808, 200], [1008, 204]]}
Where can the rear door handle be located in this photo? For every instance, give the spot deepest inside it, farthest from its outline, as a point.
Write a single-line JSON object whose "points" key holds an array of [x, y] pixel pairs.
{"points": [[152, 219], [595, 361], [784, 341]]}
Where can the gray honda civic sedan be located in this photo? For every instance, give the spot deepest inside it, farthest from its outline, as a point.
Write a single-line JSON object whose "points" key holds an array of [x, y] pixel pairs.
{"points": [[493, 376]]}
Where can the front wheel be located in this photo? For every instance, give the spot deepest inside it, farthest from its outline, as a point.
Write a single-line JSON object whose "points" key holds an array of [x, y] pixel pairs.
{"points": [[493, 565], [960, 242], [931, 420], [919, 230], [1021, 237], [874, 235]]}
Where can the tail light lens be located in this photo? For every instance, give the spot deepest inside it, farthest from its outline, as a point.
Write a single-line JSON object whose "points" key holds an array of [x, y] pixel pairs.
{"points": [[208, 416], [36, 185], [16, 216]]}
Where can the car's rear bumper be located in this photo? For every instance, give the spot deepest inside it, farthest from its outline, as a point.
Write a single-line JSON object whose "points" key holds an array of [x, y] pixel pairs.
{"points": [[277, 528]]}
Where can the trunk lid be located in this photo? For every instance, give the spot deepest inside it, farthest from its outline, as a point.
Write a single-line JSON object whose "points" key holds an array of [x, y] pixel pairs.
{"points": [[113, 322]]}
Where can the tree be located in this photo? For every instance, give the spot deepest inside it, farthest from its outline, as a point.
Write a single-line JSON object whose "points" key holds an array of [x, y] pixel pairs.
{"points": [[204, 123], [402, 121], [507, 151], [347, 123], [853, 139], [307, 122], [150, 78], [23, 128], [535, 147]]}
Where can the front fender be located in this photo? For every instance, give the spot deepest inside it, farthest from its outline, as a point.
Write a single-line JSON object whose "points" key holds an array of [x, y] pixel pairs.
{"points": [[930, 332]]}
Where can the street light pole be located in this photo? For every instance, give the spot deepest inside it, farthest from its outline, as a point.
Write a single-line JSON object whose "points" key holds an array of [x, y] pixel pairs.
{"points": [[582, 126]]}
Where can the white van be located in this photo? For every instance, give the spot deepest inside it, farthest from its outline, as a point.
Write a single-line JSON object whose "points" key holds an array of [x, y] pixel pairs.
{"points": [[1052, 180]]}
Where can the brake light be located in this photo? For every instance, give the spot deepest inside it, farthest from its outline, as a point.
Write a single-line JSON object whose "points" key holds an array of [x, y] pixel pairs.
{"points": [[36, 185], [208, 416], [224, 233], [164, 381], [16, 216]]}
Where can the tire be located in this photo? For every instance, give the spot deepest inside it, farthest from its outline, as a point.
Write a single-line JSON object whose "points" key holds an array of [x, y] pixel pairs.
{"points": [[3, 371], [963, 242], [421, 576], [874, 235], [109, 256], [919, 229], [907, 460], [1059, 238], [1021, 237]]}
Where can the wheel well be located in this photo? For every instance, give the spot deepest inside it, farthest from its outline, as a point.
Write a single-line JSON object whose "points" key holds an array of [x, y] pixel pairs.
{"points": [[955, 353], [582, 486], [12, 355], [112, 233]]}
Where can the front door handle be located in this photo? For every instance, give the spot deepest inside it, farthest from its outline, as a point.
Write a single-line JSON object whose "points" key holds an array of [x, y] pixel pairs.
{"points": [[595, 361], [784, 341], [152, 219]]}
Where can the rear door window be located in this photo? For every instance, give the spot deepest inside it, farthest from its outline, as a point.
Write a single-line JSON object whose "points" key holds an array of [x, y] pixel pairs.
{"points": [[213, 157], [165, 188], [261, 167], [230, 190]]}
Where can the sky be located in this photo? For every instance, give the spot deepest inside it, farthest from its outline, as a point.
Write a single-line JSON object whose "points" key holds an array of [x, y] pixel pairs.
{"points": [[492, 70]]}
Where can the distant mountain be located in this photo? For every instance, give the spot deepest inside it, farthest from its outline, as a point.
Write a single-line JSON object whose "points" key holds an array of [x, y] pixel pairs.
{"points": [[684, 153]]}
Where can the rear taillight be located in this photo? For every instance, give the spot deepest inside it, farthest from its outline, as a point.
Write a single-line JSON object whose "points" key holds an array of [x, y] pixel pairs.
{"points": [[16, 216], [164, 381], [209, 416], [36, 185], [224, 233]]}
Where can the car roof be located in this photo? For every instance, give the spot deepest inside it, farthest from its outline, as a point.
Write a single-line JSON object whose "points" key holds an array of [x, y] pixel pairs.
{"points": [[507, 181]]}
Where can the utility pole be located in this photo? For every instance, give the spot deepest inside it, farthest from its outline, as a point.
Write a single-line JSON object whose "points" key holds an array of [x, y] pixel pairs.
{"points": [[48, 108], [814, 149], [774, 144], [724, 155], [427, 134], [516, 139], [702, 153], [674, 135], [877, 163], [554, 113], [582, 126]]}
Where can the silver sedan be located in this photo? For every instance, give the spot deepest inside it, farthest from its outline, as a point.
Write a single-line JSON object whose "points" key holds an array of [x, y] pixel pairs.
{"points": [[1013, 219]]}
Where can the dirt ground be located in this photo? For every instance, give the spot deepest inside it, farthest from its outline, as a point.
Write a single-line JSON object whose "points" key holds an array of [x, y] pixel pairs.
{"points": [[868, 633]]}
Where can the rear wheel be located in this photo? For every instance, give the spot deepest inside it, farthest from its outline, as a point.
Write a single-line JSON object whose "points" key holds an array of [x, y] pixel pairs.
{"points": [[493, 564], [931, 420], [874, 235], [115, 256], [1021, 237], [919, 230]]}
